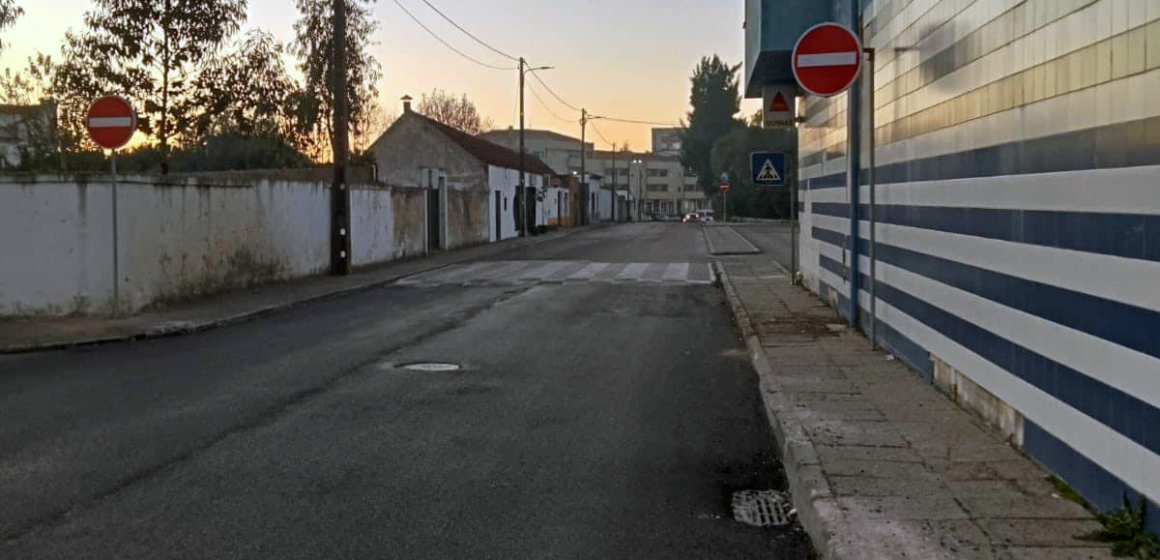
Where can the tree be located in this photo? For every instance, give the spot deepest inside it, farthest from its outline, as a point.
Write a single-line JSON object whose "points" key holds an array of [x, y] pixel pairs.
{"points": [[715, 99], [455, 112], [149, 50], [9, 11], [731, 154], [314, 48], [29, 85], [377, 122], [247, 92]]}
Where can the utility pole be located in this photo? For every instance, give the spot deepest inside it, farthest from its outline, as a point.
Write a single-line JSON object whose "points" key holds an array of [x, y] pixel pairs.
{"points": [[523, 221], [583, 182], [615, 199], [340, 257]]}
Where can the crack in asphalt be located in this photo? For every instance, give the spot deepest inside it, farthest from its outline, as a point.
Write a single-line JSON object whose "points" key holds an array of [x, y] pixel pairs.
{"points": [[264, 417]]}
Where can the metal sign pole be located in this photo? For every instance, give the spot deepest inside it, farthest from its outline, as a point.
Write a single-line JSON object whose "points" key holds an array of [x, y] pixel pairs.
{"points": [[116, 249], [793, 229], [873, 203]]}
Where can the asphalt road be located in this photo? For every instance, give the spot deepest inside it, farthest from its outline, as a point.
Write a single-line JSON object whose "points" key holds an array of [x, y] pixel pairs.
{"points": [[590, 420]]}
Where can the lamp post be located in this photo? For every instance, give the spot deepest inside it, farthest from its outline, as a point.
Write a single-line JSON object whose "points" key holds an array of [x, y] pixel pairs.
{"points": [[523, 194], [640, 190]]}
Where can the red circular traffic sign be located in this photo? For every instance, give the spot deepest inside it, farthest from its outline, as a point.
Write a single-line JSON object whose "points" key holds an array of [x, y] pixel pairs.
{"points": [[827, 59], [111, 122], [724, 187]]}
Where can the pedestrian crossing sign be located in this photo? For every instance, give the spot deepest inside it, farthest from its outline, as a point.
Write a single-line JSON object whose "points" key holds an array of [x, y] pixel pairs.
{"points": [[768, 169]]}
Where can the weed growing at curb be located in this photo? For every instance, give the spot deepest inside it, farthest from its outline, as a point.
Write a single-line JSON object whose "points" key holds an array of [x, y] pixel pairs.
{"points": [[1125, 529]]}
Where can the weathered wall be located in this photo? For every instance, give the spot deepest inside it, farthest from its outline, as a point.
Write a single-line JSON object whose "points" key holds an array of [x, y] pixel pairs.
{"points": [[386, 223], [186, 240], [1018, 217], [56, 243], [409, 149], [179, 239], [411, 153], [467, 217]]}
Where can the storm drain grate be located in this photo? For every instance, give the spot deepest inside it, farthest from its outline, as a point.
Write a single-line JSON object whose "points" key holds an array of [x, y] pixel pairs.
{"points": [[762, 508]]}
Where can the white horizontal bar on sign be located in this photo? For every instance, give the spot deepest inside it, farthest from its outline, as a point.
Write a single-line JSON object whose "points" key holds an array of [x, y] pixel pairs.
{"points": [[1105, 361], [827, 59], [1124, 458], [110, 122]]}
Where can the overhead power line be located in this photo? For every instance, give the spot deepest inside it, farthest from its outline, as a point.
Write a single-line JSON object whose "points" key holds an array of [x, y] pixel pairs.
{"points": [[600, 134], [554, 94], [468, 33], [448, 45], [630, 121], [536, 95]]}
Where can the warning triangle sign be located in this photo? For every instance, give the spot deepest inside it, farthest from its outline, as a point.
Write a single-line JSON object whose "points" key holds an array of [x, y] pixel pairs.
{"points": [[768, 173], [779, 104]]}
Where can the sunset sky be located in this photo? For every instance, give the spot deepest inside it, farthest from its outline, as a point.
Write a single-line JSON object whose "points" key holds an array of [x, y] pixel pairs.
{"points": [[623, 58]]}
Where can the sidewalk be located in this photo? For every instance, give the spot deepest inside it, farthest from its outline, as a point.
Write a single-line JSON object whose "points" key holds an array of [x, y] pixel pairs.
{"points": [[880, 464], [35, 334]]}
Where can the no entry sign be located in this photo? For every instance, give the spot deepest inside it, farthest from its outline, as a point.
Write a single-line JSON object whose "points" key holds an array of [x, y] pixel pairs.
{"points": [[827, 59], [111, 122]]}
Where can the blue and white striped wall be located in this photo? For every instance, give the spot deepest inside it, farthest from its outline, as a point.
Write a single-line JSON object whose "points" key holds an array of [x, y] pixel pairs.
{"points": [[1018, 204]]}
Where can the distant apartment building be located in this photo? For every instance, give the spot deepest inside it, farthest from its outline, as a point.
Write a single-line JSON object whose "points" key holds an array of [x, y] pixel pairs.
{"points": [[660, 182], [27, 133], [559, 151], [656, 178], [667, 141]]}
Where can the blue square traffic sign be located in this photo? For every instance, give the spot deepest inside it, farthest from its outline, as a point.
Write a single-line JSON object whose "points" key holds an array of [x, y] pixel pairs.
{"points": [[768, 169]]}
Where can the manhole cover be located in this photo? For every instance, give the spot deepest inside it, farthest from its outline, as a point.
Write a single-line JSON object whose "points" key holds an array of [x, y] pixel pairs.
{"points": [[432, 366], [762, 508]]}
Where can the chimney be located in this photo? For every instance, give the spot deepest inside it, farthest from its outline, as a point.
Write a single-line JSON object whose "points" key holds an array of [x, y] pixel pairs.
{"points": [[407, 103]]}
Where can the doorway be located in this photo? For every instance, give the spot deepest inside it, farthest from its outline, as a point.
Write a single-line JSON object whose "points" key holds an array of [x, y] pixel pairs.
{"points": [[434, 225], [498, 216]]}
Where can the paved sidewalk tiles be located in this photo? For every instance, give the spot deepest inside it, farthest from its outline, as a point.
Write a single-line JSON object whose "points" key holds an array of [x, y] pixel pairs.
{"points": [[882, 465]]}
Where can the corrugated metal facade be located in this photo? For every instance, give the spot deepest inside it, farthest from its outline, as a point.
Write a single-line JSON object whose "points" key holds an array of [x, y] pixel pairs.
{"points": [[1019, 216]]}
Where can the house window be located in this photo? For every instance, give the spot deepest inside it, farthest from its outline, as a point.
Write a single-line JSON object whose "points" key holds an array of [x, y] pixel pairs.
{"points": [[505, 204], [658, 172], [658, 188]]}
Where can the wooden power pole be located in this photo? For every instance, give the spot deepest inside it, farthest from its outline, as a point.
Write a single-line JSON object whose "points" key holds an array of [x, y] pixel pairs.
{"points": [[340, 257]]}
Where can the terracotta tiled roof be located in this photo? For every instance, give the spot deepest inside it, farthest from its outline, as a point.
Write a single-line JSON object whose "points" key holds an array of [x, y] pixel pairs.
{"points": [[489, 153]]}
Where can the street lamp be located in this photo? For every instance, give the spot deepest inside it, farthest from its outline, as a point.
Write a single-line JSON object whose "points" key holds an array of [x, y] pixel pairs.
{"points": [[523, 193]]}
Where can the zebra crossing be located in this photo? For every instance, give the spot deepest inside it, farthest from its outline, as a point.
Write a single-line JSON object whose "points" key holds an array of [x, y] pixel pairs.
{"points": [[519, 273]]}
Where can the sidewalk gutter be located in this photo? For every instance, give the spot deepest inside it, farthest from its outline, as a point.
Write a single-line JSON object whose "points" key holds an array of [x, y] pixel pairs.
{"points": [[812, 497], [163, 329]]}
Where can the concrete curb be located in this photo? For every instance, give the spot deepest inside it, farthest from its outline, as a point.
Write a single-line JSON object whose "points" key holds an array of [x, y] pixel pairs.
{"points": [[752, 250], [817, 509], [193, 327]]}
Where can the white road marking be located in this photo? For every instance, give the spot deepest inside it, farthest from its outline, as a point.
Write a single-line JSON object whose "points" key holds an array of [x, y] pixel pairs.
{"points": [[589, 271], [632, 272], [508, 273], [676, 272]]}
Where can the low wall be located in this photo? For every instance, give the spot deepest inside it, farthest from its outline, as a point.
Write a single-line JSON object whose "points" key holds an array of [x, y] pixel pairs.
{"points": [[180, 238], [386, 224]]}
